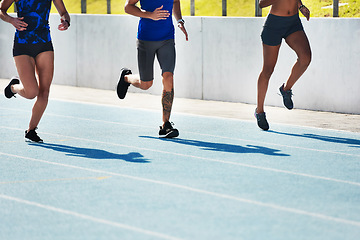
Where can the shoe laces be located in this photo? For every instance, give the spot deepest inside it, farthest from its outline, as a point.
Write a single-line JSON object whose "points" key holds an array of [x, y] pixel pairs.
{"points": [[286, 94], [289, 92], [167, 125]]}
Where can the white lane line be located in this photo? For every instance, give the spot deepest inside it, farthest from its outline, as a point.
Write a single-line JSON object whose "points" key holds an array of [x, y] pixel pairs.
{"points": [[205, 192], [90, 218], [206, 159], [54, 180], [208, 135]]}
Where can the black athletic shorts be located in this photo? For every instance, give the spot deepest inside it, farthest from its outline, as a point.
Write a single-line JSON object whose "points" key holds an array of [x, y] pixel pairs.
{"points": [[31, 50], [277, 27]]}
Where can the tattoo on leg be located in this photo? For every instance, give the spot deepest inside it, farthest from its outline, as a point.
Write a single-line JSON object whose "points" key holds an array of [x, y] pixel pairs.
{"points": [[167, 101]]}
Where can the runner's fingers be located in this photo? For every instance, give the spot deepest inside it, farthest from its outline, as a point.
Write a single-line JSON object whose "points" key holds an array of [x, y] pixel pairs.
{"points": [[23, 24], [20, 28], [63, 26], [19, 25], [163, 13], [181, 26]]}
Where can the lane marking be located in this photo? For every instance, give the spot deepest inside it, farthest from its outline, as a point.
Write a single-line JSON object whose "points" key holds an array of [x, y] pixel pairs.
{"points": [[196, 190], [298, 126], [207, 159], [208, 135], [90, 218], [56, 180]]}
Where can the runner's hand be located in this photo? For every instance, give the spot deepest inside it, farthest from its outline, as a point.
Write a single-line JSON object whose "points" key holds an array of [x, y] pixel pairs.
{"points": [[159, 14], [19, 24], [182, 27], [306, 12], [63, 25]]}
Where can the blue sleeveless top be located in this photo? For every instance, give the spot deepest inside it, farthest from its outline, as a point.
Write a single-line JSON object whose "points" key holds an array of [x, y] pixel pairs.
{"points": [[36, 15], [150, 30]]}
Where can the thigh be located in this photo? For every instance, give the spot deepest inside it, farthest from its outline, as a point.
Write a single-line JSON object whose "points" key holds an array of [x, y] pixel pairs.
{"points": [[25, 66], [166, 56], [270, 56], [299, 42], [44, 63], [146, 56]]}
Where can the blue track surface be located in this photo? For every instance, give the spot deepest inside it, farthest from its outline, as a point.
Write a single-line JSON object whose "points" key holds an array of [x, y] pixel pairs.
{"points": [[103, 173]]}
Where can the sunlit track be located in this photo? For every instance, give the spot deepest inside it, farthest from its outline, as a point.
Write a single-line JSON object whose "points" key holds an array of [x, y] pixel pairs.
{"points": [[201, 191], [209, 135], [203, 158], [89, 218]]}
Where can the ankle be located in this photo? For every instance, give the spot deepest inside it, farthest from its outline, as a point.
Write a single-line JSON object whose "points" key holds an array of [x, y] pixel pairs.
{"points": [[259, 110], [286, 88], [126, 78], [12, 89]]}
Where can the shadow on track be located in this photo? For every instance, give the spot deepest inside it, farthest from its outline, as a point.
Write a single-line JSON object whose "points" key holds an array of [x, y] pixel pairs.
{"points": [[92, 153], [223, 147], [350, 141]]}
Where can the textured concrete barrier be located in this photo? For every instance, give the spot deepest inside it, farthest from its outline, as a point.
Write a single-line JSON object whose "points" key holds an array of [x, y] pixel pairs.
{"points": [[221, 60]]}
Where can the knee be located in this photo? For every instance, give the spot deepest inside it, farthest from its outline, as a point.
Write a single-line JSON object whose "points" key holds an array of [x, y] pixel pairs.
{"points": [[305, 59], [168, 76], [266, 73], [146, 85], [168, 80], [31, 93], [43, 94]]}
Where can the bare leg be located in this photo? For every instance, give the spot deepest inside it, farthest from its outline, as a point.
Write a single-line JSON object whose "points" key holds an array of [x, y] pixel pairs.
{"points": [[45, 70], [168, 95], [25, 66], [134, 79], [270, 55], [300, 44]]}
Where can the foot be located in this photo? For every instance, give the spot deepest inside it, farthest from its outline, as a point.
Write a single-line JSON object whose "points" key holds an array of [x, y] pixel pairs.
{"points": [[287, 97], [123, 86], [261, 121], [31, 136], [167, 131], [7, 91]]}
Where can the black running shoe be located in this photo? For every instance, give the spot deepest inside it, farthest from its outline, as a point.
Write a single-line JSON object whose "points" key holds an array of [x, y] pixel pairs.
{"points": [[287, 97], [123, 86], [168, 131], [261, 121], [7, 91], [31, 136]]}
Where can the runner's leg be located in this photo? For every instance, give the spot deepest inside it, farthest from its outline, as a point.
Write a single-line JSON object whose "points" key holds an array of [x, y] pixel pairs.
{"points": [[25, 66], [167, 95], [45, 69], [270, 55], [299, 42]]}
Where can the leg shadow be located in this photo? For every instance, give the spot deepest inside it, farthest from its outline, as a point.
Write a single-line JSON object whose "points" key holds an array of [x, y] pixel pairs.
{"points": [[223, 147], [350, 141], [92, 153]]}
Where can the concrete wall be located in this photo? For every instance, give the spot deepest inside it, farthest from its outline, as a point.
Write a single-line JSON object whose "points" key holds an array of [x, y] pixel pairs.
{"points": [[221, 60]]}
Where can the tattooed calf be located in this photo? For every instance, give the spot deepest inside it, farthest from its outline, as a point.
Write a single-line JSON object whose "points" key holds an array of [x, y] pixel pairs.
{"points": [[167, 101]]}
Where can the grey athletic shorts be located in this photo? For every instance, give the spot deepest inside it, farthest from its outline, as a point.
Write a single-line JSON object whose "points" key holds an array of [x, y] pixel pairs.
{"points": [[165, 53]]}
